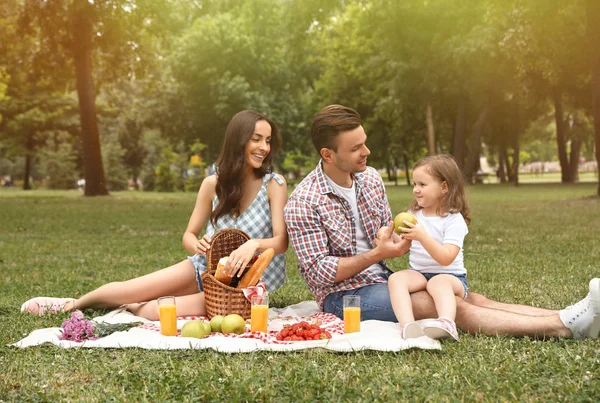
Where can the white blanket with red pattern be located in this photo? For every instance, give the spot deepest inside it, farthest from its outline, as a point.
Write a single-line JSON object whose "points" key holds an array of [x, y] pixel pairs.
{"points": [[374, 335]]}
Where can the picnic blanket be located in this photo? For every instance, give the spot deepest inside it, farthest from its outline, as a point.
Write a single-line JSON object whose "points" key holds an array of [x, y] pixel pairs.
{"points": [[374, 335]]}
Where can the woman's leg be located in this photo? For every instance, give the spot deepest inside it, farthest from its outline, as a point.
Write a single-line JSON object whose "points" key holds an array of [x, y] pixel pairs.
{"points": [[187, 305], [177, 280]]}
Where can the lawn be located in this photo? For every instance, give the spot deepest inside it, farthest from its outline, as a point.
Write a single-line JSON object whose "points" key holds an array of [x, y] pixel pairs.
{"points": [[535, 244]]}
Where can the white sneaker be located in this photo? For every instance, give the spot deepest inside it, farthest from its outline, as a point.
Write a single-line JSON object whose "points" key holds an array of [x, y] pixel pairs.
{"points": [[583, 318], [412, 330]]}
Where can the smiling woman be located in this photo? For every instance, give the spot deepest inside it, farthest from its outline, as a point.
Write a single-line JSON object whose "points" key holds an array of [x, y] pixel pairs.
{"points": [[243, 194]]}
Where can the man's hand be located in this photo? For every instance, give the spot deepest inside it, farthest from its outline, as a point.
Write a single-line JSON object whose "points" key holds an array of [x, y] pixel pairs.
{"points": [[388, 244]]}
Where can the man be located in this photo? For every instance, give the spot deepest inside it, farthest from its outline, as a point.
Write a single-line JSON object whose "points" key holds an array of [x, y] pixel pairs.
{"points": [[333, 218]]}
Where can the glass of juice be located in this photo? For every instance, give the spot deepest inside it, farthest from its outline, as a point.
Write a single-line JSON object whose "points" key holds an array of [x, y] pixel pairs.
{"points": [[351, 313], [167, 313], [259, 314]]}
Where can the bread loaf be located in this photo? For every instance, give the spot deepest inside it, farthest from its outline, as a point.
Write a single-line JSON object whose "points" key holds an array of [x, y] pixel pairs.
{"points": [[220, 274], [257, 269]]}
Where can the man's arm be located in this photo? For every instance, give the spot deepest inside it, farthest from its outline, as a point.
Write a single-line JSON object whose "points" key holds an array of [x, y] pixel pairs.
{"points": [[384, 249]]}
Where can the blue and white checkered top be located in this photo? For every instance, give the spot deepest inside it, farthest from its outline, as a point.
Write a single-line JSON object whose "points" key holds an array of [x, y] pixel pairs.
{"points": [[256, 222]]}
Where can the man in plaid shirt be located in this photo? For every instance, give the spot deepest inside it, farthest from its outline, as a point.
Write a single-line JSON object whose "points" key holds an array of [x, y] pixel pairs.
{"points": [[339, 223]]}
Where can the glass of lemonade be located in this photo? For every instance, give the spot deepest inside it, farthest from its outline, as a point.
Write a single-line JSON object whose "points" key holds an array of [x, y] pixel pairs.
{"points": [[351, 313], [167, 313], [259, 314]]}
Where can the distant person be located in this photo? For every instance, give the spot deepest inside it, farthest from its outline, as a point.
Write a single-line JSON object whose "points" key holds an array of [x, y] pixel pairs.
{"points": [[436, 257], [244, 194], [333, 217]]}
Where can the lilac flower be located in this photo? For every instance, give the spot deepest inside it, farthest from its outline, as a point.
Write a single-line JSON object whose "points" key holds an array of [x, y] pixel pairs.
{"points": [[79, 329]]}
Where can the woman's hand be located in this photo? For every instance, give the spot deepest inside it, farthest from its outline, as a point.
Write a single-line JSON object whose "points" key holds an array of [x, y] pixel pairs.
{"points": [[239, 258], [203, 245]]}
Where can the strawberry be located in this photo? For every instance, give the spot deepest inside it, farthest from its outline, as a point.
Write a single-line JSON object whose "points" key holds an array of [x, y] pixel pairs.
{"points": [[279, 337]]}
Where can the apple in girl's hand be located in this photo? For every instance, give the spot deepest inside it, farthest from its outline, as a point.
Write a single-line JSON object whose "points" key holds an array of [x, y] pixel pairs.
{"points": [[399, 221]]}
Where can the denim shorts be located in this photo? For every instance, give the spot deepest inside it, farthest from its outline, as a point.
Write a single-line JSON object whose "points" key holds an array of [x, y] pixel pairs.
{"points": [[461, 277]]}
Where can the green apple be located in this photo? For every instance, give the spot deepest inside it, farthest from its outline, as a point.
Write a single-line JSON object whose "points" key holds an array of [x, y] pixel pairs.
{"points": [[233, 323], [194, 328], [207, 327], [215, 323], [399, 221]]}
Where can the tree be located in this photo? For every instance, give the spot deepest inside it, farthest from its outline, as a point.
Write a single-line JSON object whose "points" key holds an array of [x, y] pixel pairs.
{"points": [[593, 39], [101, 31]]}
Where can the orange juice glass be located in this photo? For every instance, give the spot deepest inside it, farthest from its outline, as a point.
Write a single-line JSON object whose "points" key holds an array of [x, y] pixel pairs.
{"points": [[167, 313], [351, 313], [259, 314]]}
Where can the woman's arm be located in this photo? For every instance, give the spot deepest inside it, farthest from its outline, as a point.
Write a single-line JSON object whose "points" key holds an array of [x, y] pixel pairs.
{"points": [[200, 217]]}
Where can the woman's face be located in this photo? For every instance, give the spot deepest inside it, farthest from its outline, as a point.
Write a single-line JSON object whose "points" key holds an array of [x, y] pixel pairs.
{"points": [[259, 145]]}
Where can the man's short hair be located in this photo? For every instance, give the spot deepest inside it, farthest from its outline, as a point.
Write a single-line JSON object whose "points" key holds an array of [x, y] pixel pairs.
{"points": [[328, 123]]}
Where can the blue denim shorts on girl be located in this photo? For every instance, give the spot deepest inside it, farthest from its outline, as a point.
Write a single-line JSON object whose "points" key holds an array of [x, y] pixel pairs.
{"points": [[461, 277]]}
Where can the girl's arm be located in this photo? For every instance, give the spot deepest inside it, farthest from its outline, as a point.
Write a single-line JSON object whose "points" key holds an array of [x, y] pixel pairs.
{"points": [[278, 196], [443, 254], [200, 217]]}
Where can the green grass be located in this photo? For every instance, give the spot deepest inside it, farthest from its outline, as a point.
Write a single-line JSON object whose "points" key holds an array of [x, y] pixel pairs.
{"points": [[535, 244]]}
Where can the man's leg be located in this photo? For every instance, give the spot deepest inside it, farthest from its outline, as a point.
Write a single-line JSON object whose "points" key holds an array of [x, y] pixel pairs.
{"points": [[483, 301]]}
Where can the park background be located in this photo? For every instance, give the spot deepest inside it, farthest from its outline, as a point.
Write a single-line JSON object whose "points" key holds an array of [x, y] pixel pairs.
{"points": [[124, 93]]}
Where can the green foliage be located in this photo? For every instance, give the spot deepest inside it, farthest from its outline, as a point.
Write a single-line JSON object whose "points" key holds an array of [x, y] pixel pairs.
{"points": [[514, 253], [167, 173], [58, 162], [112, 158], [196, 168]]}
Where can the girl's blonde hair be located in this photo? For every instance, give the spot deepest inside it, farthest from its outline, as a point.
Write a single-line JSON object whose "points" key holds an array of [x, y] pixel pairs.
{"points": [[443, 168]]}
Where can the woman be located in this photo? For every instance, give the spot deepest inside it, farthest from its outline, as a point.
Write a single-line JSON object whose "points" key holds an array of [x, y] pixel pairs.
{"points": [[243, 194]]}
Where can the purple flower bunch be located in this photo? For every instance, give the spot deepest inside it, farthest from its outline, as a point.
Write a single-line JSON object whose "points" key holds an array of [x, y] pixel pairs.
{"points": [[77, 329]]}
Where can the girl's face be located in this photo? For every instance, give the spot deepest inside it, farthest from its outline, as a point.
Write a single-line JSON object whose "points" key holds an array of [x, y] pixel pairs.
{"points": [[428, 190], [259, 145]]}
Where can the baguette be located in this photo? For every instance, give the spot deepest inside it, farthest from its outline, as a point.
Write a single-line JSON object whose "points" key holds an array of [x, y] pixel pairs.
{"points": [[257, 269], [220, 274]]}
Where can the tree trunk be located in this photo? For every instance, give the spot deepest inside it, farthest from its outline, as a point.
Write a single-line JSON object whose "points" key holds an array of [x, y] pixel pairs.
{"points": [[28, 158], [517, 150], [501, 165], [593, 34], [559, 117], [475, 145], [406, 169], [460, 132], [430, 131], [574, 158], [95, 184]]}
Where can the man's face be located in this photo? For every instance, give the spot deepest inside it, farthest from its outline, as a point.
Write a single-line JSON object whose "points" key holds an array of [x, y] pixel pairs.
{"points": [[352, 152]]}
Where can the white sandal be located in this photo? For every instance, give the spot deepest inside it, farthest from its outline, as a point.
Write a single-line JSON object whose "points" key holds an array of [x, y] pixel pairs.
{"points": [[45, 305]]}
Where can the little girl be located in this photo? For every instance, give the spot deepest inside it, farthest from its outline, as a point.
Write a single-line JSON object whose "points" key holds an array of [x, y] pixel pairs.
{"points": [[436, 258]]}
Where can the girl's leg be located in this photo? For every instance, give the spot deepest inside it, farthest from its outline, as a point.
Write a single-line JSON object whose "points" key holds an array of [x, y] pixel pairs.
{"points": [[443, 288], [401, 284], [177, 280], [480, 300]]}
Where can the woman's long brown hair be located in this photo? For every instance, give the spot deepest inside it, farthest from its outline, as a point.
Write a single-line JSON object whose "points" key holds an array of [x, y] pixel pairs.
{"points": [[232, 160], [444, 169]]}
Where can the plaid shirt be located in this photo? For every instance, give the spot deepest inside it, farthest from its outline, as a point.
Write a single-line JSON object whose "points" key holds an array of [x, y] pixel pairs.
{"points": [[322, 229]]}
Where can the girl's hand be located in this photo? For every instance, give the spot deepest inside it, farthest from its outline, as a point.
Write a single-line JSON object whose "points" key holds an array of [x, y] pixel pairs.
{"points": [[414, 232], [203, 245], [239, 258]]}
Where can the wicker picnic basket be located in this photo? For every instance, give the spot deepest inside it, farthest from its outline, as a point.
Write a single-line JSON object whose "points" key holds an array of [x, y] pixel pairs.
{"points": [[219, 298]]}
